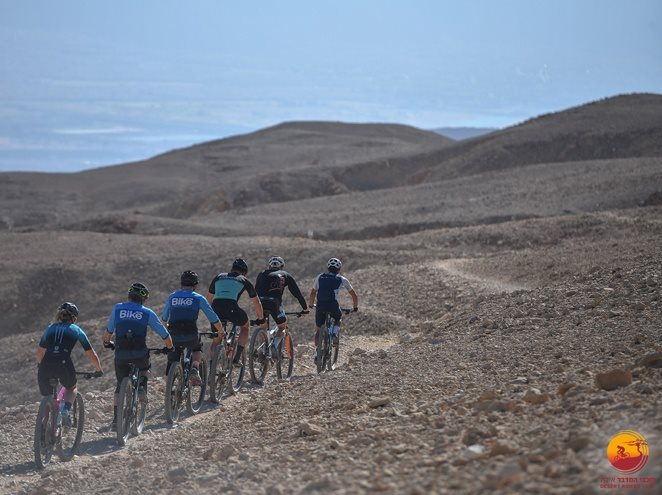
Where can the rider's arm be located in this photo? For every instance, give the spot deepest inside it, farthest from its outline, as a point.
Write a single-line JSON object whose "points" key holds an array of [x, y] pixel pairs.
{"points": [[94, 359], [258, 307], [207, 310], [311, 297], [165, 315], [355, 299], [110, 328], [40, 353], [156, 325], [295, 291], [87, 346]]}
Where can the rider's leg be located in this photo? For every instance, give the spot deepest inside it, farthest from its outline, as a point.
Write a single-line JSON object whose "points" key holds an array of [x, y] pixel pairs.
{"points": [[243, 340]]}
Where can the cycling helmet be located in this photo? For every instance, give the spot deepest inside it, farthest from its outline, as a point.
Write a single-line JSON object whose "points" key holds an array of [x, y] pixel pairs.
{"points": [[189, 278], [276, 262], [139, 289], [334, 263], [240, 266], [69, 308]]}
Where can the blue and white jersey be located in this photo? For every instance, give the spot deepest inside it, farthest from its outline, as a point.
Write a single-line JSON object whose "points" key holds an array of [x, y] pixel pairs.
{"points": [[60, 338], [129, 322], [185, 304], [328, 285]]}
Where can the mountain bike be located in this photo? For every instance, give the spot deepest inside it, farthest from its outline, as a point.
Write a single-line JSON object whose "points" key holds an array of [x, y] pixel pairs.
{"points": [[50, 436], [130, 410], [327, 349], [267, 349], [221, 368], [179, 385]]}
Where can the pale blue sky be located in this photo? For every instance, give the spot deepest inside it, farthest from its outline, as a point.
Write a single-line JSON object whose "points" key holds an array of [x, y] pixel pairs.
{"points": [[87, 83]]}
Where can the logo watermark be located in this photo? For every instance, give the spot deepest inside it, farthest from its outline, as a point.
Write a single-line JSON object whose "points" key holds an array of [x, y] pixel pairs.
{"points": [[628, 454]]}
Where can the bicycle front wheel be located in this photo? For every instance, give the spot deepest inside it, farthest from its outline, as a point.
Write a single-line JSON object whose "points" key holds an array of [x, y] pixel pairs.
{"points": [[125, 410], [44, 433], [174, 392], [196, 391], [72, 435], [285, 362], [258, 362]]}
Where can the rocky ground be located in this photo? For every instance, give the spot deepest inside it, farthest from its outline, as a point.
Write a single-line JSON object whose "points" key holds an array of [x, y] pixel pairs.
{"points": [[471, 368]]}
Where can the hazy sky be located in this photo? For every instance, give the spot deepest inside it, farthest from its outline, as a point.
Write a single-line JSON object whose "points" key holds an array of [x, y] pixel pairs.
{"points": [[87, 83]]}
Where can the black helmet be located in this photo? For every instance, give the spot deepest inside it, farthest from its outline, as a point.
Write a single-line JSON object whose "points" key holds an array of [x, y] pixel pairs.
{"points": [[139, 289], [189, 278], [240, 266], [69, 308]]}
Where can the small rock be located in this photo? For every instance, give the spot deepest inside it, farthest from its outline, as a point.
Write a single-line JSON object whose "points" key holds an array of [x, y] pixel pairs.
{"points": [[613, 379], [487, 395], [651, 360], [226, 451], [177, 475], [358, 352], [564, 387], [137, 462], [502, 447], [520, 380], [379, 402], [308, 429], [534, 396]]}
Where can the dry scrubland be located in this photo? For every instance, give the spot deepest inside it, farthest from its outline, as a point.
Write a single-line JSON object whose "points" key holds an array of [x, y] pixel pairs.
{"points": [[498, 277]]}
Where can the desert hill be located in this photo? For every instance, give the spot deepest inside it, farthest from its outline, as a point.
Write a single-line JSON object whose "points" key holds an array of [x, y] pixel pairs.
{"points": [[500, 279]]}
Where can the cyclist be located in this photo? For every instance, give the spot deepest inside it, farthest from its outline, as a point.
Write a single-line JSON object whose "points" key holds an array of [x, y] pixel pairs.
{"points": [[129, 321], [54, 356], [180, 315], [326, 287], [270, 285], [224, 293]]}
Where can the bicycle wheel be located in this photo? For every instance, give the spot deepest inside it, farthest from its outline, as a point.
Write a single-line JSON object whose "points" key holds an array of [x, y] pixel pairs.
{"points": [[320, 352], [219, 372], [285, 362], [125, 410], [174, 392], [258, 362], [139, 413], [196, 393], [239, 381], [71, 436], [44, 433]]}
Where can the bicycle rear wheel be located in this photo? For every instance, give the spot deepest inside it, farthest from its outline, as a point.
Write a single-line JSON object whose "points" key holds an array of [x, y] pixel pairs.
{"points": [[219, 372], [196, 393], [139, 413], [285, 362], [71, 436], [321, 350], [333, 358], [44, 433], [258, 362], [174, 392], [125, 410], [239, 381]]}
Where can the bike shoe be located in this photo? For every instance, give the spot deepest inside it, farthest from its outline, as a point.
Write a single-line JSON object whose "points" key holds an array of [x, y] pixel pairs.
{"points": [[194, 376]]}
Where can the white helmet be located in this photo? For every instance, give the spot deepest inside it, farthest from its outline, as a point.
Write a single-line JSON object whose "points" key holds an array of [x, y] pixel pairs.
{"points": [[276, 262], [334, 263]]}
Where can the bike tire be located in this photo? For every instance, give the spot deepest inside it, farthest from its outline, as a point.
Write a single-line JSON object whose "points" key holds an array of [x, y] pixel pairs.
{"points": [[125, 411], [196, 393], [138, 422], [319, 358], [71, 436], [237, 383], [218, 372], [44, 438], [285, 360], [258, 363], [174, 392]]}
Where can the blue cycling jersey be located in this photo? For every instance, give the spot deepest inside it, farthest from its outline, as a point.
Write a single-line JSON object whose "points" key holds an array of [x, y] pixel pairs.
{"points": [[185, 304], [328, 285], [60, 338], [129, 322]]}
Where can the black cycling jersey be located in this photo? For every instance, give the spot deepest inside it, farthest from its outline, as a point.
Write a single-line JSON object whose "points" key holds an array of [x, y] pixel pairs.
{"points": [[230, 286], [271, 283]]}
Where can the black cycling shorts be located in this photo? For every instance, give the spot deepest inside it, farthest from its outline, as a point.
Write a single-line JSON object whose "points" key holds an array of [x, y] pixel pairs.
{"points": [[229, 310], [273, 307], [193, 344], [320, 315], [123, 368], [60, 367]]}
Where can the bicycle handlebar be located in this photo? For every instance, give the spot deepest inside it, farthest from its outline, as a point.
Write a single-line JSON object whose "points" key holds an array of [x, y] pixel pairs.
{"points": [[211, 335], [89, 374], [155, 350]]}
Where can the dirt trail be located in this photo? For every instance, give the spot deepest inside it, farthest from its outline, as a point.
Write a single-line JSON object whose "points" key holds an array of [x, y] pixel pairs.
{"points": [[457, 268]]}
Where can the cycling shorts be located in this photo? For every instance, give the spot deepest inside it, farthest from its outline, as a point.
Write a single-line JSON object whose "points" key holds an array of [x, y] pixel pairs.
{"points": [[123, 368], [321, 312], [194, 344], [229, 310], [58, 367], [273, 307]]}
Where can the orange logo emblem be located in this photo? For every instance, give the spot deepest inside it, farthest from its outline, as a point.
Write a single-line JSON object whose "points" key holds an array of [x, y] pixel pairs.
{"points": [[628, 451]]}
